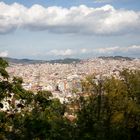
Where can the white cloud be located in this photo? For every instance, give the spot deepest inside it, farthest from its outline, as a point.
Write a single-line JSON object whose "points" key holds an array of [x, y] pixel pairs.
{"points": [[67, 52], [4, 54], [133, 47], [84, 50], [107, 50], [133, 50], [82, 19]]}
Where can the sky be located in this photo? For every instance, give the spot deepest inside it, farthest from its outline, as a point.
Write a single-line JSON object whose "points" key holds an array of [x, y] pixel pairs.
{"points": [[54, 29]]}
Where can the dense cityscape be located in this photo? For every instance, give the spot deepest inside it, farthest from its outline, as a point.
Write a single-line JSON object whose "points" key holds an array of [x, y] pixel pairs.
{"points": [[65, 79]]}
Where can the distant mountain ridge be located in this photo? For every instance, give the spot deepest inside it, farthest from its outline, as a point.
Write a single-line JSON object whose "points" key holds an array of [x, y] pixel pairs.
{"points": [[31, 61], [61, 61], [116, 57]]}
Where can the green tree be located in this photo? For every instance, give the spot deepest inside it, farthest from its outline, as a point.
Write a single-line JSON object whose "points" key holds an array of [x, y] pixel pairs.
{"points": [[112, 111]]}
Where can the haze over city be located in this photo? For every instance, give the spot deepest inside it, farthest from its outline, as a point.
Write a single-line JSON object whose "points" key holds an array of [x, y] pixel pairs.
{"points": [[40, 29]]}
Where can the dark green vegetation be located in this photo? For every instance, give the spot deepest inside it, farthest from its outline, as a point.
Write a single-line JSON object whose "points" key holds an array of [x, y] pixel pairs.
{"points": [[109, 111]]}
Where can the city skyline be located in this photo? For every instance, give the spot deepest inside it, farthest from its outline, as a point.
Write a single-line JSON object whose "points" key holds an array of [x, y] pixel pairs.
{"points": [[60, 28]]}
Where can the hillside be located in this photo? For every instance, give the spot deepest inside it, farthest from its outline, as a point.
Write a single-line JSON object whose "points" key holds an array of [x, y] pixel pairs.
{"points": [[31, 61]]}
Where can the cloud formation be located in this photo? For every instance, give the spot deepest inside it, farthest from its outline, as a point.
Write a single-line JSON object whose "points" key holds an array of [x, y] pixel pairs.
{"points": [[104, 20], [133, 50], [130, 50], [4, 54], [67, 52]]}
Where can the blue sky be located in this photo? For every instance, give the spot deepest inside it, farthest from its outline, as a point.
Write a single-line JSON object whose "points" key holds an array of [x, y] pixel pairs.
{"points": [[51, 29], [129, 4]]}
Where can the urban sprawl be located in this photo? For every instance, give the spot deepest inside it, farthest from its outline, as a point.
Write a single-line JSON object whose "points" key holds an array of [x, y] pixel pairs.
{"points": [[63, 80]]}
